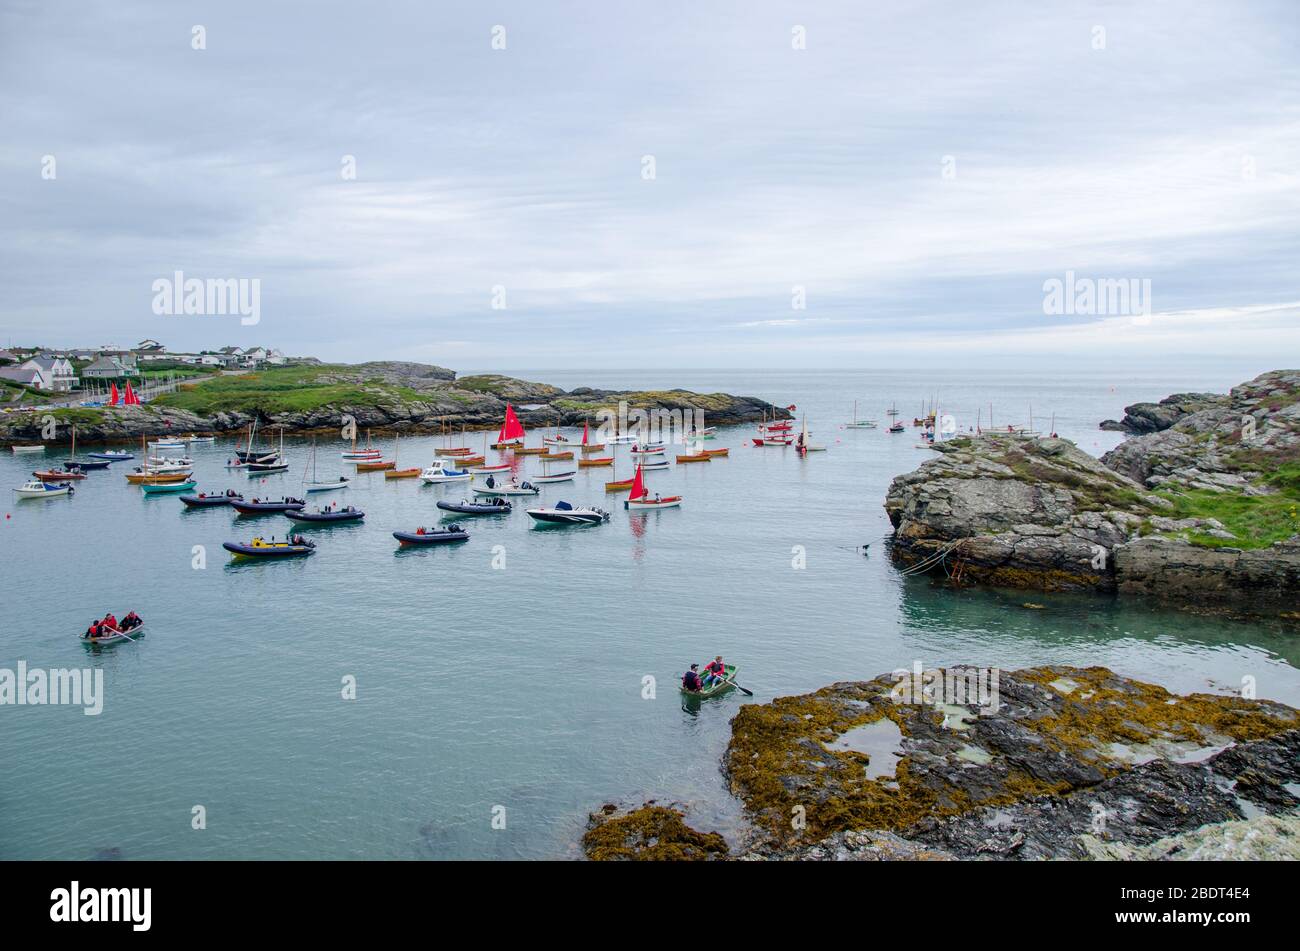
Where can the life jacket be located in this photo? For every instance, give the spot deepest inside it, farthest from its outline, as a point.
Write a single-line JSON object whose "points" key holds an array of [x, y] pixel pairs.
{"points": [[714, 667]]}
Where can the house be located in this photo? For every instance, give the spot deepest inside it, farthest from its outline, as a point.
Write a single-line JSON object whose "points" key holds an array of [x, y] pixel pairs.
{"points": [[150, 346], [56, 373], [30, 378], [108, 368], [8, 356]]}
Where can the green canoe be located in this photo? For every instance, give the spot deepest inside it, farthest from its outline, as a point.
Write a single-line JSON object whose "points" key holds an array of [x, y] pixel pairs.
{"points": [[716, 688]]}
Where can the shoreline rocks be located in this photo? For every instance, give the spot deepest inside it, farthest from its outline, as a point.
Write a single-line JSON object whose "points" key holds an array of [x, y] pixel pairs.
{"points": [[1203, 514], [1052, 762]]}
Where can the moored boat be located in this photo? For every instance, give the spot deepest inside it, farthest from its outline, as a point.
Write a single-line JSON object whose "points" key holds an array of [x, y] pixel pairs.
{"points": [[439, 472], [557, 456], [717, 452], [510, 488], [700, 456], [146, 477], [260, 507], [326, 516], [342, 482], [431, 536], [59, 475], [493, 506], [111, 456], [204, 500], [502, 467], [40, 490], [21, 449], [566, 514], [598, 462], [376, 466], [160, 489], [260, 548], [639, 499], [550, 478], [402, 474]]}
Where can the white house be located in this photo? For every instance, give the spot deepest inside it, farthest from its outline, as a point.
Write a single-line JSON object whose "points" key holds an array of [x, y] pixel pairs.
{"points": [[108, 368], [56, 373]]}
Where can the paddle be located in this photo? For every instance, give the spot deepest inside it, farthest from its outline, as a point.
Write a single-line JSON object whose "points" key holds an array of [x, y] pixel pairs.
{"points": [[747, 693]]}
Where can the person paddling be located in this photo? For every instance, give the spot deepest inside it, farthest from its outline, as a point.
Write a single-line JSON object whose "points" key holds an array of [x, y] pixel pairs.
{"points": [[715, 672], [691, 679]]}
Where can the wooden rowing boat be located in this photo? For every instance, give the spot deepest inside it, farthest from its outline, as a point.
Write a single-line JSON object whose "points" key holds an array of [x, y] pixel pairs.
{"points": [[619, 486], [402, 474], [695, 457], [594, 463], [467, 461], [716, 452], [157, 478], [375, 466], [59, 475], [522, 450], [168, 487], [646, 504], [717, 688], [588, 450], [114, 638], [558, 455], [507, 445]]}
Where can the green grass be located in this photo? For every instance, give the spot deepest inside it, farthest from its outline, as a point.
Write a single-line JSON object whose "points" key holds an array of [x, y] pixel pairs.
{"points": [[300, 389], [1257, 520]]}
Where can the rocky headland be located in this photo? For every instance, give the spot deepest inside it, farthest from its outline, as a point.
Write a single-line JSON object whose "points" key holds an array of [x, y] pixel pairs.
{"points": [[1055, 763], [385, 397], [1203, 513]]}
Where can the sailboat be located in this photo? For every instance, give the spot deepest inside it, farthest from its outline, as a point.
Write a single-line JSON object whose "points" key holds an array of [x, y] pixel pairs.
{"points": [[549, 477], [396, 473], [83, 463], [857, 423], [314, 484], [366, 454], [896, 426], [639, 498], [511, 435], [266, 466], [588, 446], [802, 445]]}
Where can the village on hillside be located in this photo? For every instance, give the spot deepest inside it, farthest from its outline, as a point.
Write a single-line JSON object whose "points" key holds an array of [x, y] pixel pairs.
{"points": [[90, 369]]}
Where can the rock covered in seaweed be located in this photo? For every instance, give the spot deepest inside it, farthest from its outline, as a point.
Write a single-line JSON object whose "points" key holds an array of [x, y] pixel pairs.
{"points": [[1071, 758], [646, 834]]}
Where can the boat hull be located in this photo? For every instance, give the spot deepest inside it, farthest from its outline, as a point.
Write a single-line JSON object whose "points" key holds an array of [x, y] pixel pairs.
{"points": [[265, 508], [268, 551], [327, 486], [46, 493], [554, 517], [168, 487], [87, 463], [375, 466], [402, 474], [506, 490], [416, 540], [475, 508], [668, 502], [209, 501], [324, 518], [119, 638], [716, 689], [702, 457], [603, 461]]}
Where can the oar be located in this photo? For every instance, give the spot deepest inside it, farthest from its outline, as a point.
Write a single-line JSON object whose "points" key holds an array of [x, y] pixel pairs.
{"points": [[747, 693]]}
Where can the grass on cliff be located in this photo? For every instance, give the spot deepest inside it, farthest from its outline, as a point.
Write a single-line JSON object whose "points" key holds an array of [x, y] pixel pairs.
{"points": [[299, 389], [1257, 521]]}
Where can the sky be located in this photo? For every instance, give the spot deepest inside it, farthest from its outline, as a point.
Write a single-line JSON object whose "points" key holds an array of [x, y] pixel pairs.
{"points": [[730, 183]]}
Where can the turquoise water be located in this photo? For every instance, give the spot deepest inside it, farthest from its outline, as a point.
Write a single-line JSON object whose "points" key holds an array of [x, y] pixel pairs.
{"points": [[519, 687]]}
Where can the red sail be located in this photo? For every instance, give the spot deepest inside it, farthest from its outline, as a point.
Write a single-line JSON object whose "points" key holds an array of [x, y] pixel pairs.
{"points": [[114, 397], [638, 485], [584, 432], [131, 398], [511, 428]]}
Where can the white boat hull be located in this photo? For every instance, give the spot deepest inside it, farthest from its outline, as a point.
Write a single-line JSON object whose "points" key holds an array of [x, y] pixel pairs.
{"points": [[28, 448], [639, 506], [504, 490], [326, 486], [567, 516], [548, 479], [42, 493]]}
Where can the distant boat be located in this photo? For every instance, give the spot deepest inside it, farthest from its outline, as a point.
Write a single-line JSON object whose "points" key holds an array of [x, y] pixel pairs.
{"points": [[639, 498], [314, 484], [439, 472], [27, 448], [566, 514], [431, 536], [857, 423], [362, 454]]}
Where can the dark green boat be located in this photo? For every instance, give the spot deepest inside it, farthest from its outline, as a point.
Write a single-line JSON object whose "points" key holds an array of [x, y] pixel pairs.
{"points": [[715, 689]]}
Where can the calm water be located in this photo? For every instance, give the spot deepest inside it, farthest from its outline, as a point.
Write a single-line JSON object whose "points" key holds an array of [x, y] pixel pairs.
{"points": [[520, 687]]}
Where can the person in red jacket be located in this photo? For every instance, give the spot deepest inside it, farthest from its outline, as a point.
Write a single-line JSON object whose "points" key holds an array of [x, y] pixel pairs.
{"points": [[715, 672], [110, 620]]}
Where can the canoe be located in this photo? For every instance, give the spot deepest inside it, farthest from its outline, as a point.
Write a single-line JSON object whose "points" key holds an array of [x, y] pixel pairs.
{"points": [[465, 507], [209, 501], [716, 452], [375, 466], [168, 487], [716, 688], [435, 536], [557, 455], [117, 638], [338, 515], [58, 475], [156, 478], [402, 474], [594, 463], [261, 549], [649, 505], [697, 457], [267, 508]]}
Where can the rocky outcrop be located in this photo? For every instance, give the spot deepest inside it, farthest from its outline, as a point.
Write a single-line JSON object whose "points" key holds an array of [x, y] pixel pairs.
{"points": [[1157, 417], [1051, 762], [1204, 514], [384, 397], [649, 833]]}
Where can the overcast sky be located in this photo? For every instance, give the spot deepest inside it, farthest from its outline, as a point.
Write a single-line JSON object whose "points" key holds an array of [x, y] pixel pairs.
{"points": [[919, 169]]}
